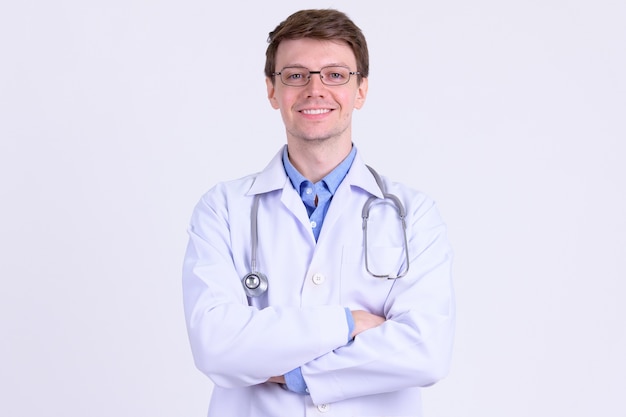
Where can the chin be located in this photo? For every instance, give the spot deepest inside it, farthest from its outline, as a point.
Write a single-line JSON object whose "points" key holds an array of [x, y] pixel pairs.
{"points": [[319, 136]]}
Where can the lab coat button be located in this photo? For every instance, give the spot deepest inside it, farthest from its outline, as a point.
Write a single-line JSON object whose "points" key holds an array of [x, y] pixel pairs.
{"points": [[323, 408], [318, 279]]}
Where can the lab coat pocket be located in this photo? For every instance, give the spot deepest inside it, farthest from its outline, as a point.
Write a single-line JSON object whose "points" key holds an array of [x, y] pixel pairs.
{"points": [[359, 289]]}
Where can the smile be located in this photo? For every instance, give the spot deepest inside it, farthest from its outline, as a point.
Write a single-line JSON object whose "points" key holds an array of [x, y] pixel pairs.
{"points": [[315, 111]]}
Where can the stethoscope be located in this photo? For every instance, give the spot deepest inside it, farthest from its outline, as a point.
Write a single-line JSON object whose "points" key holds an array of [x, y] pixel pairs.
{"points": [[255, 283]]}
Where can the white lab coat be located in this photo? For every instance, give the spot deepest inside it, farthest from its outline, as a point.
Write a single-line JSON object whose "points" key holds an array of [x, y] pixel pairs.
{"points": [[300, 321]]}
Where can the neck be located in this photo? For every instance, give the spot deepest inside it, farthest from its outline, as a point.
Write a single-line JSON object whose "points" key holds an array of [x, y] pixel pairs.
{"points": [[315, 161]]}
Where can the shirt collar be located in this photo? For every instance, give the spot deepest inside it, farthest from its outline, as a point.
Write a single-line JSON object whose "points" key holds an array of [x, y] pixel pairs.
{"points": [[332, 180], [274, 177]]}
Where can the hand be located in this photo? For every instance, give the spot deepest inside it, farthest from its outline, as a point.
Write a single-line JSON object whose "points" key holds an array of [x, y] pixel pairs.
{"points": [[364, 321], [277, 379]]}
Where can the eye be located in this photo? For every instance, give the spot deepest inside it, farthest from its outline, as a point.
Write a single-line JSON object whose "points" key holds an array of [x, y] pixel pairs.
{"points": [[294, 75], [335, 75]]}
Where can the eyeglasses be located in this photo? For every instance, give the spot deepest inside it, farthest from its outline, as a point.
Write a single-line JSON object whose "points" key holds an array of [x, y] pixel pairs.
{"points": [[300, 76]]}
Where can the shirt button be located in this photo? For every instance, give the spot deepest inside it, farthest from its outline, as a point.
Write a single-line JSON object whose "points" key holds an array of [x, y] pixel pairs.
{"points": [[318, 279], [322, 408], [313, 224], [308, 191]]}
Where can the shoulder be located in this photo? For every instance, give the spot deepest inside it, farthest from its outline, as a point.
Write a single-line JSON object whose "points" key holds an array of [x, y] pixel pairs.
{"points": [[419, 206], [406, 193], [224, 192]]}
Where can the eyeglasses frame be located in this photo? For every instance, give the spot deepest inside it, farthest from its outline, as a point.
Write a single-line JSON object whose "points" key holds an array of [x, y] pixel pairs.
{"points": [[350, 74]]}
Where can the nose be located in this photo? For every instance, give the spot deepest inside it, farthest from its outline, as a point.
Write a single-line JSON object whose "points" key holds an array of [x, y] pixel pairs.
{"points": [[315, 86]]}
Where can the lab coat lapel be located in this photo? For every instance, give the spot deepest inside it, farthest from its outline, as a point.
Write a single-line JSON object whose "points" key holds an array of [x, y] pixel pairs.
{"points": [[293, 202], [274, 178], [343, 201]]}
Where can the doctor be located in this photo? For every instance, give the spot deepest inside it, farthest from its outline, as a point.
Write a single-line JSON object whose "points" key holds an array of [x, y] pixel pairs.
{"points": [[291, 309]]}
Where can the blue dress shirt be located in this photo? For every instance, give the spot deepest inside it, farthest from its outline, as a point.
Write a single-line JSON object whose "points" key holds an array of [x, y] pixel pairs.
{"points": [[316, 197]]}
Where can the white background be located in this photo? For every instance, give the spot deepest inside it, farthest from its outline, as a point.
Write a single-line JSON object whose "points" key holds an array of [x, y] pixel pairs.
{"points": [[115, 116]]}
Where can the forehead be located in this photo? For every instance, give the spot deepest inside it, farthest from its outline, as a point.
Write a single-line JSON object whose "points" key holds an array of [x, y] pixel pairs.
{"points": [[314, 53]]}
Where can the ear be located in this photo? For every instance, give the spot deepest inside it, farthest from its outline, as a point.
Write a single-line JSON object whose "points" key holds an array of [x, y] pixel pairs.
{"points": [[361, 94], [271, 93]]}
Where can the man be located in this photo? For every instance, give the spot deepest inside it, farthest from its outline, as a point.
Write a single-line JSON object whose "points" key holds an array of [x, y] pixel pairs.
{"points": [[295, 304]]}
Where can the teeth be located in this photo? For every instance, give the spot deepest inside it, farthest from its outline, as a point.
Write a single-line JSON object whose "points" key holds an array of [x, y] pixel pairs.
{"points": [[316, 111]]}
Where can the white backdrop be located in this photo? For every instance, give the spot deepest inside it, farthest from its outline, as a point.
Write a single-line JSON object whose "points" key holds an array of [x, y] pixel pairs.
{"points": [[115, 116]]}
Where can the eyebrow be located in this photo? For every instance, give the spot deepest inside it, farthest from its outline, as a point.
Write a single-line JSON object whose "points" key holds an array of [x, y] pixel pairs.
{"points": [[324, 66]]}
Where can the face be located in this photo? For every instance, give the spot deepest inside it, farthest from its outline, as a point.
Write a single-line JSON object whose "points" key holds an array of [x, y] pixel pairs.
{"points": [[316, 112]]}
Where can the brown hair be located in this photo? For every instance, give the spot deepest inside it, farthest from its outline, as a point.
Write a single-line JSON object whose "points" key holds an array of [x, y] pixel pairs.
{"points": [[322, 24]]}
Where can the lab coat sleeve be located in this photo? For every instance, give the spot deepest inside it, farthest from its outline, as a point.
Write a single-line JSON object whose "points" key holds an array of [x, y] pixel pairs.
{"points": [[414, 345], [233, 343]]}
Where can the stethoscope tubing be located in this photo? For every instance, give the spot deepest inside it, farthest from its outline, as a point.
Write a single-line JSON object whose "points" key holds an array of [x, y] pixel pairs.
{"points": [[255, 283]]}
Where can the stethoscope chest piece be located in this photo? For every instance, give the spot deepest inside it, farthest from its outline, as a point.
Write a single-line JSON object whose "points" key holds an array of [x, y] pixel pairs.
{"points": [[254, 284]]}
